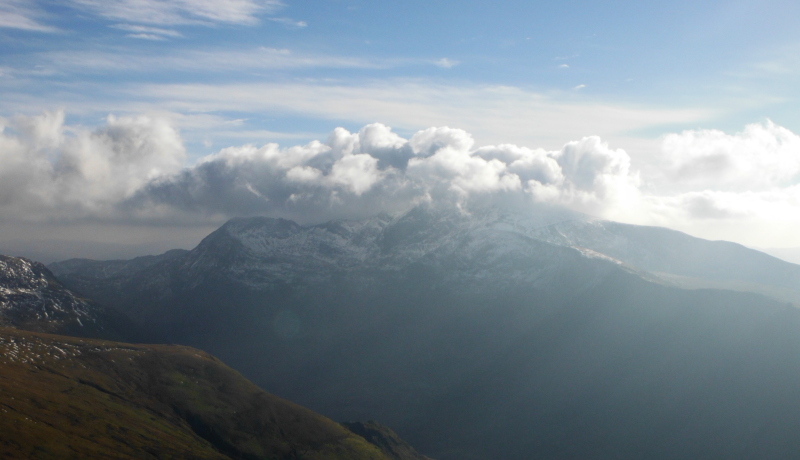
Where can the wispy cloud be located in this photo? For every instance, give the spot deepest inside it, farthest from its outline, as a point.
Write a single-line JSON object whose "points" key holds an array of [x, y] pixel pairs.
{"points": [[21, 14], [176, 12], [446, 63], [289, 22], [494, 113], [579, 87], [207, 61], [146, 32]]}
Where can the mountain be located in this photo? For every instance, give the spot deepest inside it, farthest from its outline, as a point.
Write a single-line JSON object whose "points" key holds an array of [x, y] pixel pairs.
{"points": [[32, 299], [788, 254], [490, 334], [65, 397], [681, 259]]}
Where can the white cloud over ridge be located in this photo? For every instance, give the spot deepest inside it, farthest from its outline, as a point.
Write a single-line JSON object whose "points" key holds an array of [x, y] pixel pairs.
{"points": [[741, 187], [354, 175]]}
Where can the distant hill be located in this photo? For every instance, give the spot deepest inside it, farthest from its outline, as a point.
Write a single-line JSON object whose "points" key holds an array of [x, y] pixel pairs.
{"points": [[680, 259], [65, 397], [788, 254]]}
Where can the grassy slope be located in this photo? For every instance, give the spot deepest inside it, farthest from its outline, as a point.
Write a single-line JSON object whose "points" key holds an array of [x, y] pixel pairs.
{"points": [[63, 397], [386, 439]]}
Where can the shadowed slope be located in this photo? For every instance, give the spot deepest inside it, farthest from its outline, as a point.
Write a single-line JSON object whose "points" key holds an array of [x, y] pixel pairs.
{"points": [[64, 397], [386, 439]]}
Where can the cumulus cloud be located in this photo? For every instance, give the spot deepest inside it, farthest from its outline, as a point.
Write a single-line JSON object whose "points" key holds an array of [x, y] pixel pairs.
{"points": [[761, 157], [48, 170], [134, 168], [376, 170]]}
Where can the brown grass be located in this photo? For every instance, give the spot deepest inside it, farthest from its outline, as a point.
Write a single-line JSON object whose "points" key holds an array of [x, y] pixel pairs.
{"points": [[63, 397]]}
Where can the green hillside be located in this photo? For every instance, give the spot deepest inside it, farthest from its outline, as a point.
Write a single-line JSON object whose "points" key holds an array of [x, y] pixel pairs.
{"points": [[64, 397]]}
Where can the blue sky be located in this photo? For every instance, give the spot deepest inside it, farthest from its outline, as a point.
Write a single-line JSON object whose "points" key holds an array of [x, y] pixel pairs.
{"points": [[725, 64], [680, 85]]}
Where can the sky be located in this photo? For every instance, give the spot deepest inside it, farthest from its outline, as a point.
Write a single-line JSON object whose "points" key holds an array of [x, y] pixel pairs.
{"points": [[130, 127]]}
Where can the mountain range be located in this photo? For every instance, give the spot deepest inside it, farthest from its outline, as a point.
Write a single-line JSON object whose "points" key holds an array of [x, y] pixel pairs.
{"points": [[489, 333]]}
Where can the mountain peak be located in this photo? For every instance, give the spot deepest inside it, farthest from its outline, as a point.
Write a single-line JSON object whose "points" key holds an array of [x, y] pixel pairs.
{"points": [[32, 299]]}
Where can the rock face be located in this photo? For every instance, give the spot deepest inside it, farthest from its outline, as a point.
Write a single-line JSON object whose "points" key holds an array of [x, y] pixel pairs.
{"points": [[490, 334], [32, 299]]}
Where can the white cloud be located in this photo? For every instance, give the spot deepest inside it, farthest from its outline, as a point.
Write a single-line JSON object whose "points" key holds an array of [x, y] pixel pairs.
{"points": [[122, 61], [51, 171], [20, 14], [152, 37], [150, 33], [176, 12], [446, 63], [445, 161], [761, 157], [375, 170], [289, 22]]}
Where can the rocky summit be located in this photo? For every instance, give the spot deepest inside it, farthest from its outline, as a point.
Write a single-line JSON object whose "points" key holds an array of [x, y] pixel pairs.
{"points": [[31, 298]]}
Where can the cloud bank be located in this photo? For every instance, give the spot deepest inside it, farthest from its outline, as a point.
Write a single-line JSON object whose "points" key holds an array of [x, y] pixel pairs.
{"points": [[741, 186]]}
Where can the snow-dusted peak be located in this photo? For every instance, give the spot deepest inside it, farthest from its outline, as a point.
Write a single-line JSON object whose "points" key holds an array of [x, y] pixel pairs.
{"points": [[32, 299], [267, 248], [18, 274]]}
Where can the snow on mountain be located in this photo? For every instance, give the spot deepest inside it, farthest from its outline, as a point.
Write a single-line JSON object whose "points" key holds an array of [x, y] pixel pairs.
{"points": [[32, 299], [508, 244], [259, 251], [681, 259]]}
